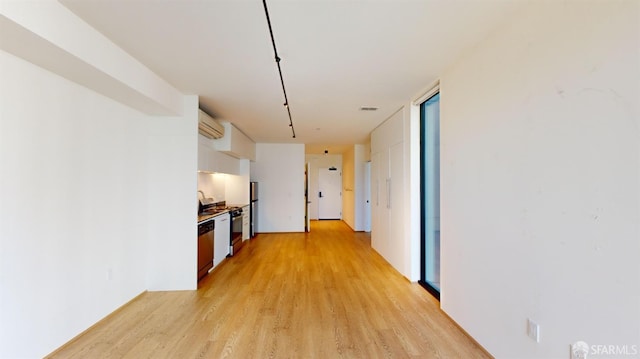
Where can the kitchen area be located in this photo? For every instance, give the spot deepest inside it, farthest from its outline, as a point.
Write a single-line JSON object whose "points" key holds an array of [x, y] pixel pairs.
{"points": [[223, 228], [226, 205]]}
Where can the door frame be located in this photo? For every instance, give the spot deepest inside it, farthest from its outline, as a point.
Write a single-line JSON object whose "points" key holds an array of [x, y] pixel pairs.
{"points": [[367, 197], [307, 219], [423, 207], [320, 189]]}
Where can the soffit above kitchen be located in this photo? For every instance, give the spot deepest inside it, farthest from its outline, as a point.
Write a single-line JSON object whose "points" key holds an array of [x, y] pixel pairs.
{"points": [[337, 56]]}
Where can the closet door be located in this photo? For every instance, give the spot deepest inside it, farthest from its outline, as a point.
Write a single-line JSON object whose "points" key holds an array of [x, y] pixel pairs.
{"points": [[384, 244], [376, 207], [395, 206]]}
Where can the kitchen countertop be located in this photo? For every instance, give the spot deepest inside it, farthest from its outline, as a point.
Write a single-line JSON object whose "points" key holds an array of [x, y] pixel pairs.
{"points": [[204, 217], [239, 205]]}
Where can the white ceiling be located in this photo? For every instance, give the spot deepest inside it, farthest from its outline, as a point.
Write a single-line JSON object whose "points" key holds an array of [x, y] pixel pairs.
{"points": [[336, 56]]}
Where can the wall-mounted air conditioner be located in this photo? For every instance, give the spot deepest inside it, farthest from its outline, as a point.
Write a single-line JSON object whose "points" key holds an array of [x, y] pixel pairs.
{"points": [[209, 127]]}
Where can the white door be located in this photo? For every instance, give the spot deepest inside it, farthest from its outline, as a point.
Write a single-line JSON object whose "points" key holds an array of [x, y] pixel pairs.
{"points": [[396, 249], [329, 193], [376, 209], [367, 197]]}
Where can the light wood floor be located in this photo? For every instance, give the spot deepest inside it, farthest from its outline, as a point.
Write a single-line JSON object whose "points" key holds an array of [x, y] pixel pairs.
{"points": [[324, 294]]}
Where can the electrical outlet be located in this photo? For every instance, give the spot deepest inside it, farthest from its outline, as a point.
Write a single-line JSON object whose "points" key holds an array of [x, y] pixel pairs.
{"points": [[533, 330]]}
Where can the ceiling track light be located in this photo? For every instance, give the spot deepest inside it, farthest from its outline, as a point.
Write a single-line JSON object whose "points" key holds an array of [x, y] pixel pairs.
{"points": [[278, 59]]}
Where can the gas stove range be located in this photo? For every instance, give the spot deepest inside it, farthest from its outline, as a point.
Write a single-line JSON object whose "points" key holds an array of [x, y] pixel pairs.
{"points": [[218, 207], [235, 211]]}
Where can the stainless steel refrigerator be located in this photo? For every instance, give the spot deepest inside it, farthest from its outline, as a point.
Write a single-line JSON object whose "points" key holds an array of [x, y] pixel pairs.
{"points": [[253, 192]]}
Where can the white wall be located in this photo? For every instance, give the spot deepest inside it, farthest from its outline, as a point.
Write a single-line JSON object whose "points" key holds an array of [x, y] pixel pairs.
{"points": [[237, 190], [348, 188], [213, 185], [49, 35], [237, 186], [98, 200], [172, 211], [353, 197], [316, 162], [98, 205], [360, 157], [541, 180], [73, 214], [279, 170]]}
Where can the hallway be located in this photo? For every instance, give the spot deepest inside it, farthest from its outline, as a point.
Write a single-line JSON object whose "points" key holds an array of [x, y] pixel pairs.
{"points": [[323, 294]]}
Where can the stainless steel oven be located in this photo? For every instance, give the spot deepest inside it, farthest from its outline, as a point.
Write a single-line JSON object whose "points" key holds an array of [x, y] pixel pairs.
{"points": [[235, 242]]}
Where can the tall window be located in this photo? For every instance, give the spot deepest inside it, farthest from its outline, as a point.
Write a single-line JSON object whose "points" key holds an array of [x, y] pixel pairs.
{"points": [[430, 193]]}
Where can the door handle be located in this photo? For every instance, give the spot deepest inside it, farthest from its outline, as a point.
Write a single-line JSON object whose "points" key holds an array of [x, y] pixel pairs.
{"points": [[388, 192], [320, 194]]}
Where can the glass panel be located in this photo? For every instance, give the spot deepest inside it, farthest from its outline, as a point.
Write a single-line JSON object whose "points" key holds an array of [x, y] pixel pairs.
{"points": [[430, 160]]}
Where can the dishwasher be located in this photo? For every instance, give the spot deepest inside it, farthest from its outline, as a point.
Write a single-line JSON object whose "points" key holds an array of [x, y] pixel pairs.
{"points": [[205, 247]]}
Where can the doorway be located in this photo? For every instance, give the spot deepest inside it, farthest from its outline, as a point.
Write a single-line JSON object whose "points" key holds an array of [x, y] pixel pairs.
{"points": [[307, 202], [367, 196], [329, 193], [430, 194]]}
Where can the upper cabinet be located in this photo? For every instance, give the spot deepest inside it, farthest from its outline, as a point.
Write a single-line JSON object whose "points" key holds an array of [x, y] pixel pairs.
{"points": [[388, 133], [210, 160], [226, 154], [235, 143]]}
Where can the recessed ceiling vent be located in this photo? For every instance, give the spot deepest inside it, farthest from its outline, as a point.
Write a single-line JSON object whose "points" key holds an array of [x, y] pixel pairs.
{"points": [[368, 108]]}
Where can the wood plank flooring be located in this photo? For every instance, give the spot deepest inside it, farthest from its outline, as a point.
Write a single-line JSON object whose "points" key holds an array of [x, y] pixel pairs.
{"points": [[324, 294]]}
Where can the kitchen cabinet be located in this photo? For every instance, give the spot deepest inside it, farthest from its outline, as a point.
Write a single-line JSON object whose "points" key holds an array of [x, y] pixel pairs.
{"points": [[235, 143], [210, 160], [221, 238], [387, 195], [246, 223]]}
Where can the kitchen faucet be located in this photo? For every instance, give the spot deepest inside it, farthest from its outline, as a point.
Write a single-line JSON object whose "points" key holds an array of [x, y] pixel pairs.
{"points": [[202, 193]]}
